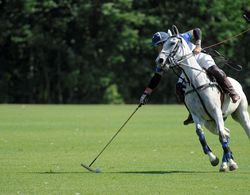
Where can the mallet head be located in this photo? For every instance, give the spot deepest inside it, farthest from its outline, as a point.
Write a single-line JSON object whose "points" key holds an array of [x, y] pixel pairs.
{"points": [[97, 170]]}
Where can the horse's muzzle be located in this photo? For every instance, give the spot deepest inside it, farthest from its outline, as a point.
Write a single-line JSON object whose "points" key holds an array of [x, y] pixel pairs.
{"points": [[161, 61]]}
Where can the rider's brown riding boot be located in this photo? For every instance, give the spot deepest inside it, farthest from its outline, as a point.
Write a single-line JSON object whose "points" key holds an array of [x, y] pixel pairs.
{"points": [[189, 120], [224, 82], [230, 90]]}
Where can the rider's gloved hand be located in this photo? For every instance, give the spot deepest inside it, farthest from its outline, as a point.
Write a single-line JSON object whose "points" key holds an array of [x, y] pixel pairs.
{"points": [[197, 48], [145, 96]]}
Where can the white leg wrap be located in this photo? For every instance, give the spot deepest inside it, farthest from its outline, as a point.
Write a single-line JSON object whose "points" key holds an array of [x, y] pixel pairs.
{"points": [[223, 167], [211, 156], [232, 165]]}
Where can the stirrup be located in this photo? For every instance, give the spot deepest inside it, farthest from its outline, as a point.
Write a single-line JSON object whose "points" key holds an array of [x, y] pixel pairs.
{"points": [[189, 120]]}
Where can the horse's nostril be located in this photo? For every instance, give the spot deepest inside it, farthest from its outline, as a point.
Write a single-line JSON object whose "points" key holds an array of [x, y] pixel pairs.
{"points": [[161, 60]]}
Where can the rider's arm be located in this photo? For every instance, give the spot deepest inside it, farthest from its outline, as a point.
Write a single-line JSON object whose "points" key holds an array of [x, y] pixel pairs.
{"points": [[149, 89], [155, 80], [196, 35]]}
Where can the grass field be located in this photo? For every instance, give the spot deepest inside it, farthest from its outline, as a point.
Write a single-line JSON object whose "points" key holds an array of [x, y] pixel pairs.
{"points": [[42, 146]]}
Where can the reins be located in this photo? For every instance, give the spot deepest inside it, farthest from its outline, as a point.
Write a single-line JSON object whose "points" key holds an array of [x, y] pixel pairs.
{"points": [[194, 89]]}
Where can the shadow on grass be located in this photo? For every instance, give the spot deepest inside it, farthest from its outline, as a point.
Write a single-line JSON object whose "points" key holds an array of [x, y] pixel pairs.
{"points": [[166, 172], [125, 172], [57, 172]]}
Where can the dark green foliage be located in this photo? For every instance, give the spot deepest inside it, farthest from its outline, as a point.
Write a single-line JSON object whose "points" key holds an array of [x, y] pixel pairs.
{"points": [[91, 51]]}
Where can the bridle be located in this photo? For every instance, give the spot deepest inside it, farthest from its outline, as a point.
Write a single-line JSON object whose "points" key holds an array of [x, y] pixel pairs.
{"points": [[170, 59]]}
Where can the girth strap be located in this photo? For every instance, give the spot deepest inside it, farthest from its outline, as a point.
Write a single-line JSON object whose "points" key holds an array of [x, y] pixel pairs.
{"points": [[202, 87]]}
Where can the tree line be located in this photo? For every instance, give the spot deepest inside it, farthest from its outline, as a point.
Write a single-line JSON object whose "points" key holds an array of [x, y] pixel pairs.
{"points": [[92, 51]]}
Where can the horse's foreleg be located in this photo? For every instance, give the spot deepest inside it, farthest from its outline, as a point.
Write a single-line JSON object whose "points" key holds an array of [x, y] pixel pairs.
{"points": [[212, 158]]}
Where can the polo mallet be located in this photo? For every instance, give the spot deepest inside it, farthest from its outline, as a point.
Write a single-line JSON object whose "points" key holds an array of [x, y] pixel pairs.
{"points": [[97, 170]]}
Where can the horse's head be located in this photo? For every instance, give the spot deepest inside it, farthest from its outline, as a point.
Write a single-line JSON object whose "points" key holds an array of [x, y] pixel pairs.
{"points": [[174, 49], [170, 53]]}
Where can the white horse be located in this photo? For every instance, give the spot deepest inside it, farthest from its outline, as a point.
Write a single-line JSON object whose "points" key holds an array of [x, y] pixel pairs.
{"points": [[203, 99]]}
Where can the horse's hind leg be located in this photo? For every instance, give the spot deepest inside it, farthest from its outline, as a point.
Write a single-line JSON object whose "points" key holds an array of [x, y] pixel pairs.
{"points": [[227, 159], [212, 158], [241, 115]]}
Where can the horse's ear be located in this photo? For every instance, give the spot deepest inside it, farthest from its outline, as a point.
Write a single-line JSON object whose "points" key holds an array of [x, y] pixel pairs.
{"points": [[169, 32], [175, 30]]}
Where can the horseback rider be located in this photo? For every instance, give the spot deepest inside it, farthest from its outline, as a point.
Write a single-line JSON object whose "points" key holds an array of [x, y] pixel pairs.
{"points": [[203, 59]]}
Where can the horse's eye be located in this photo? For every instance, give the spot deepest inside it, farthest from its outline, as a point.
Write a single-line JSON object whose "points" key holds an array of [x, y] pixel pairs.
{"points": [[171, 43]]}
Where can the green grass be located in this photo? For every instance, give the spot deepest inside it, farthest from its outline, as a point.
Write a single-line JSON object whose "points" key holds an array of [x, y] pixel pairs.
{"points": [[42, 146]]}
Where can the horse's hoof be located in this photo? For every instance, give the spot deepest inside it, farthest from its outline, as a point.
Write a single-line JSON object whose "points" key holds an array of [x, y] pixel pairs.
{"points": [[215, 162], [223, 167], [232, 165]]}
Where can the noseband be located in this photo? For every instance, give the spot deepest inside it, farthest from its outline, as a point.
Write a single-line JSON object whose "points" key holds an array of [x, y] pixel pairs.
{"points": [[171, 55]]}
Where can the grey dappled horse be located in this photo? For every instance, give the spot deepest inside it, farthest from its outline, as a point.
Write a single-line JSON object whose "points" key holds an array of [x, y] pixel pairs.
{"points": [[203, 99]]}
